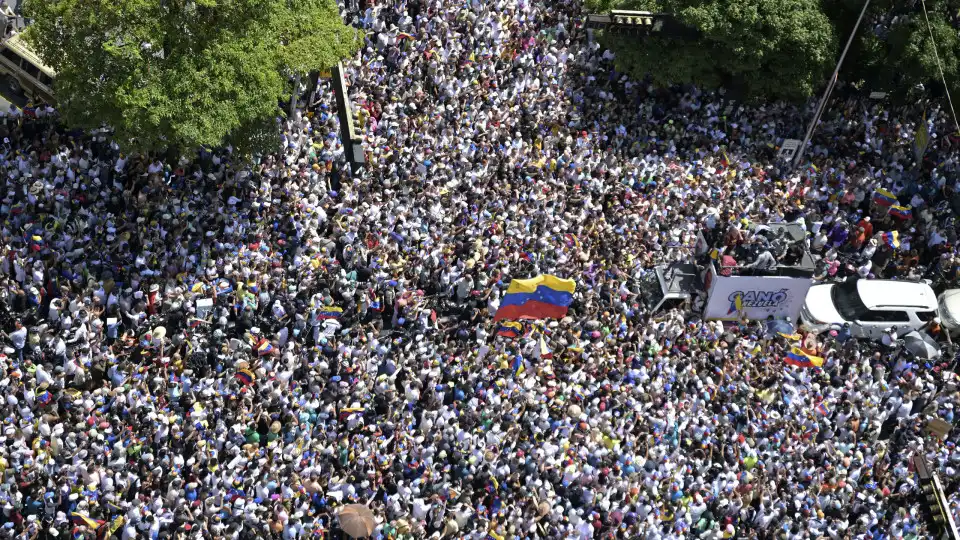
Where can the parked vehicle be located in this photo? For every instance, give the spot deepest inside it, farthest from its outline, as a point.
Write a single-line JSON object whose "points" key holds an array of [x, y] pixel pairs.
{"points": [[24, 72], [869, 306], [949, 307], [720, 291]]}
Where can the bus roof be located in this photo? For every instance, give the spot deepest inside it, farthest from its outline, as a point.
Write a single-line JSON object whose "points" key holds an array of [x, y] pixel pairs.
{"points": [[17, 44]]}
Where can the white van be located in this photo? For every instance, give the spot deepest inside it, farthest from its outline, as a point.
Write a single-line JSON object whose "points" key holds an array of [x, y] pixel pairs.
{"points": [[870, 306]]}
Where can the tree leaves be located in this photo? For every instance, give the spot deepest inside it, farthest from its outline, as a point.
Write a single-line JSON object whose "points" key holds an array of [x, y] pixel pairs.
{"points": [[183, 73], [786, 49], [772, 48]]}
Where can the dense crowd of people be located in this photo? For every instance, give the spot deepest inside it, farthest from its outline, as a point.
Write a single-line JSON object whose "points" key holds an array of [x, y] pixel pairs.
{"points": [[209, 348]]}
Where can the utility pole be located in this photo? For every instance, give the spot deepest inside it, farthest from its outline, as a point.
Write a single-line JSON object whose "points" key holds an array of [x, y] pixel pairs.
{"points": [[826, 93]]}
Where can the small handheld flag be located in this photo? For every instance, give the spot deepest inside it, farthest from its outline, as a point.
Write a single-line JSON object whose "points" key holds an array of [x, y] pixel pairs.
{"points": [[329, 312], [517, 366], [264, 347], [891, 239], [246, 376], [510, 329], [884, 198], [545, 352], [901, 212], [85, 520]]}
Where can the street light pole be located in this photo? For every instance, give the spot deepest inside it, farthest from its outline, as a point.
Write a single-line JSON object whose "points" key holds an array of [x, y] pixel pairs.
{"points": [[826, 93]]}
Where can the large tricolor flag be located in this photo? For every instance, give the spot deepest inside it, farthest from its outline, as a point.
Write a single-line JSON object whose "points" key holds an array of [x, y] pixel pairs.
{"points": [[542, 297]]}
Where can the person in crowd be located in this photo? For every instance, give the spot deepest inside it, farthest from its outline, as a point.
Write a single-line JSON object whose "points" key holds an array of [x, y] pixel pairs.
{"points": [[210, 346]]}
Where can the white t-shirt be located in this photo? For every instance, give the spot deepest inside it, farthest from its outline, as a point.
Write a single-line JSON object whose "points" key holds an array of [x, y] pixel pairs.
{"points": [[19, 338]]}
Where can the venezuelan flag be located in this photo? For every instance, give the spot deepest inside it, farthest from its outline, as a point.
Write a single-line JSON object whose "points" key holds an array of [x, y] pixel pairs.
{"points": [[901, 212], [891, 239], [542, 297], [195, 322], [44, 398], [330, 312], [246, 376], [571, 240], [345, 413], [545, 352], [791, 337], [883, 197], [510, 329], [375, 304], [264, 347], [517, 366], [797, 357], [116, 524], [823, 409], [85, 520]]}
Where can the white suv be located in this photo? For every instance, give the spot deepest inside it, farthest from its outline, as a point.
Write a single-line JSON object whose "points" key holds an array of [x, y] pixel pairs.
{"points": [[870, 306]]}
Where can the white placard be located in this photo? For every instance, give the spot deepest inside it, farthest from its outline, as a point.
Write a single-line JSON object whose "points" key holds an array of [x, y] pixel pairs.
{"points": [[788, 149], [204, 307]]}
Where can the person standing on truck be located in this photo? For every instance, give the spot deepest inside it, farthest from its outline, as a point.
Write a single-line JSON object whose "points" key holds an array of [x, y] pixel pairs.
{"points": [[765, 262]]}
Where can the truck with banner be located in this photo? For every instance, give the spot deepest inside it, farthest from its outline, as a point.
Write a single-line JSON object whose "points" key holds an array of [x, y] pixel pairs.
{"points": [[732, 297], [731, 293]]}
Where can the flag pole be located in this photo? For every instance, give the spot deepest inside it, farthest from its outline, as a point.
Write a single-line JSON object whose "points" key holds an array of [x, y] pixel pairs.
{"points": [[826, 94]]}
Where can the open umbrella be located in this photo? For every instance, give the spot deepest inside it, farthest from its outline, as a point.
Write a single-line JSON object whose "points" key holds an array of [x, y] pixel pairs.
{"points": [[921, 345], [778, 326], [357, 521]]}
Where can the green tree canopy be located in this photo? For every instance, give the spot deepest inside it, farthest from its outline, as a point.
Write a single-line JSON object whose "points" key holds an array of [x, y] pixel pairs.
{"points": [[773, 48], [903, 55], [182, 73], [786, 49]]}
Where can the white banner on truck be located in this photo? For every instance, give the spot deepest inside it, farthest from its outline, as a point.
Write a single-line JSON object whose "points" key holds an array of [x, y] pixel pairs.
{"points": [[756, 297]]}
